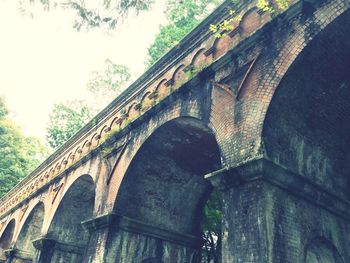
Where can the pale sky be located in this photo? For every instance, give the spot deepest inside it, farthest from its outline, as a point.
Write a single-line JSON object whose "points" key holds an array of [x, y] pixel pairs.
{"points": [[44, 60]]}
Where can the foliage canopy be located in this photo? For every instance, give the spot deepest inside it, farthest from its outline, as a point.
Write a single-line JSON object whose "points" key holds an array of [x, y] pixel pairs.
{"points": [[19, 154], [69, 117]]}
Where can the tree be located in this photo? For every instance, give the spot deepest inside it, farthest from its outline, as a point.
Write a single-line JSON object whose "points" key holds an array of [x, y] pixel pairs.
{"points": [[105, 85], [65, 120], [69, 117], [182, 17], [3, 109], [211, 229], [19, 154], [89, 14]]}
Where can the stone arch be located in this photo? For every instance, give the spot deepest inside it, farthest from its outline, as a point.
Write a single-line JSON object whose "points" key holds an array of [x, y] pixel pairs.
{"points": [[147, 100], [307, 122], [221, 46], [113, 123], [30, 231], [6, 239], [68, 239], [178, 75], [164, 191], [250, 22], [282, 52], [161, 89], [199, 59], [133, 112], [320, 250]]}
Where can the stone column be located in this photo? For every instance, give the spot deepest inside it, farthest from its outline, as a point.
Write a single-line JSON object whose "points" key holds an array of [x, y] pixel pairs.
{"points": [[45, 248], [126, 240], [49, 250], [244, 236], [270, 212], [98, 228]]}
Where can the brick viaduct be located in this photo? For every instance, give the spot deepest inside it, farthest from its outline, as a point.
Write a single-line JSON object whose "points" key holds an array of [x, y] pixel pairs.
{"points": [[262, 114]]}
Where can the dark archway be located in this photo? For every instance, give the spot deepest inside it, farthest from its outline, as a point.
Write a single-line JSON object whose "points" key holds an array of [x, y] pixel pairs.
{"points": [[6, 239], [69, 238], [31, 230], [308, 121], [322, 251], [306, 133], [164, 190]]}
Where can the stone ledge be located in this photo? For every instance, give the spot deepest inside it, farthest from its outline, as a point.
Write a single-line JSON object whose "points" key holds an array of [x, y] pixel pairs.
{"points": [[275, 174], [99, 222], [48, 243], [19, 254], [135, 226]]}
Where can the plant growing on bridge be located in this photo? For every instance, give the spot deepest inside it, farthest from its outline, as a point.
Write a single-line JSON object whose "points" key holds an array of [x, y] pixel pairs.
{"points": [[182, 17], [226, 25]]}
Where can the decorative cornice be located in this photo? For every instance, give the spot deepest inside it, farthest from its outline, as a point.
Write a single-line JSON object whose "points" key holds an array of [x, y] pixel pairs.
{"points": [[135, 226], [52, 244]]}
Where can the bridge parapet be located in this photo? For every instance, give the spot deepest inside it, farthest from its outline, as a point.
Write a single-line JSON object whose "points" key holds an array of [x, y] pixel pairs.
{"points": [[195, 53]]}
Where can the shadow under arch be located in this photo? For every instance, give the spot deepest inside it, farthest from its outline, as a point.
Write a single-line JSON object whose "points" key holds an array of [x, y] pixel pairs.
{"points": [[68, 240], [306, 133], [30, 231], [308, 119], [163, 193], [321, 250], [6, 239]]}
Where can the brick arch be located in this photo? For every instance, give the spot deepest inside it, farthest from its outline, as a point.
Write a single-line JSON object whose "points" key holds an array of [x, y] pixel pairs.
{"points": [[307, 122], [27, 210], [250, 22], [199, 58], [31, 229], [178, 75], [161, 89], [75, 204], [282, 52], [66, 183], [116, 179], [164, 183], [6, 238]]}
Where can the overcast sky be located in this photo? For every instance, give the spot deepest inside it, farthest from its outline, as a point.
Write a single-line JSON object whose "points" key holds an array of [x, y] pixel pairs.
{"points": [[44, 60]]}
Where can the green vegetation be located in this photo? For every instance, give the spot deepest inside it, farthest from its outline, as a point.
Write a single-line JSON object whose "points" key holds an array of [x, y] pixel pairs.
{"points": [[211, 229], [19, 154], [65, 120], [89, 14], [182, 17], [273, 7], [69, 117]]}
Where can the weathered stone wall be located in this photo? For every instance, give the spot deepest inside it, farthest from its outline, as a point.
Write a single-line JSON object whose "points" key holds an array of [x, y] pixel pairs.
{"points": [[294, 223]]}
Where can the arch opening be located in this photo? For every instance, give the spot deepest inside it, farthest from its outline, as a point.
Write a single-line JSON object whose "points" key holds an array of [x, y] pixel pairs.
{"points": [[307, 123], [164, 188], [6, 239], [31, 231], [69, 237]]}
